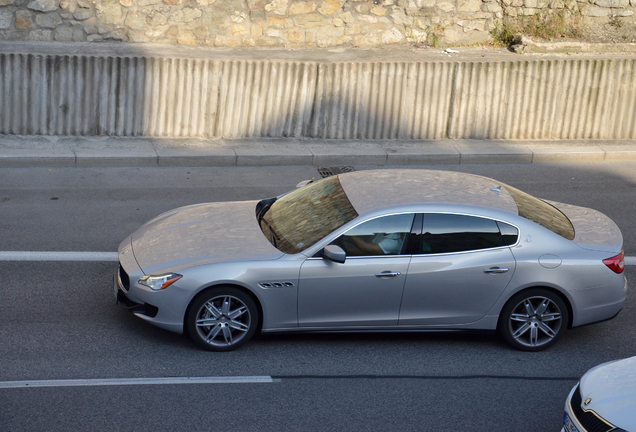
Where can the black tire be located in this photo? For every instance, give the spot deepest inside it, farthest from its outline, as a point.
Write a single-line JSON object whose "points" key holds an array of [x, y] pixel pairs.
{"points": [[533, 320], [222, 319]]}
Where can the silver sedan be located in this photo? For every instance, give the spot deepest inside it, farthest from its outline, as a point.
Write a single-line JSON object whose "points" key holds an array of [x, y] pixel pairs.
{"points": [[398, 250]]}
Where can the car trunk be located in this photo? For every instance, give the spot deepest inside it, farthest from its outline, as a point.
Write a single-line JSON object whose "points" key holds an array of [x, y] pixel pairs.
{"points": [[592, 229]]}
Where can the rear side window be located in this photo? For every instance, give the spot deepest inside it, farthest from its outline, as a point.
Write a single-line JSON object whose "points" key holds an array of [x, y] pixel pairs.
{"points": [[542, 213], [446, 233], [509, 234]]}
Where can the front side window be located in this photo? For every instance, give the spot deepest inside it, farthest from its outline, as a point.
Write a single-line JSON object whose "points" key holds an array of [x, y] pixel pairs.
{"points": [[299, 219], [446, 233], [382, 236]]}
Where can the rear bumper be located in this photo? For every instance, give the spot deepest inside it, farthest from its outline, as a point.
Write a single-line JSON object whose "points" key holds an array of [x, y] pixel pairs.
{"points": [[600, 303]]}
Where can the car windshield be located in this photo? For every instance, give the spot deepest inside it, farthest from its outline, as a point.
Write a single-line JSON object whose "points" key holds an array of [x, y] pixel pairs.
{"points": [[299, 219], [542, 213]]}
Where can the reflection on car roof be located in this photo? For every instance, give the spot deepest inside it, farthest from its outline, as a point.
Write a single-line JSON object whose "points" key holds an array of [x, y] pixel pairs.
{"points": [[383, 188]]}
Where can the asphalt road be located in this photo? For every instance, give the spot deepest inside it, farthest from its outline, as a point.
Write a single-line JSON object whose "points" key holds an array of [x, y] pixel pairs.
{"points": [[59, 321]]}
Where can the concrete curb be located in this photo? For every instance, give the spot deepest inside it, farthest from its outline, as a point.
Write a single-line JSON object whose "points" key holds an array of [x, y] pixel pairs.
{"points": [[525, 45], [39, 151]]}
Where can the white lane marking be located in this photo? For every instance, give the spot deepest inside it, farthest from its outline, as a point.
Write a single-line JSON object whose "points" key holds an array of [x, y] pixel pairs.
{"points": [[104, 256], [57, 256], [137, 381]]}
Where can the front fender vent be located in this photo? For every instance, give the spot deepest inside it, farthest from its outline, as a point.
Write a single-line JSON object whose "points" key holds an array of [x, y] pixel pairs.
{"points": [[269, 285]]}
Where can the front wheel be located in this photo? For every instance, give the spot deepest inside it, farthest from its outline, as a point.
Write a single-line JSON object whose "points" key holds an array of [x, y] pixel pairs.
{"points": [[222, 319], [533, 320]]}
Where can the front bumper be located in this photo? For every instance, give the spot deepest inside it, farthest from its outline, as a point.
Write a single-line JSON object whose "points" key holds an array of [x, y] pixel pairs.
{"points": [[120, 289], [164, 308]]}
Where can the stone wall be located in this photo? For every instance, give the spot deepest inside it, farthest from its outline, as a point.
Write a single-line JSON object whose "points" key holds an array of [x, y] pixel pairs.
{"points": [[279, 23]]}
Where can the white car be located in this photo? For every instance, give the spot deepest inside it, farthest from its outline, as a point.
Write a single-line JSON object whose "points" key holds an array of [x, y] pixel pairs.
{"points": [[604, 399]]}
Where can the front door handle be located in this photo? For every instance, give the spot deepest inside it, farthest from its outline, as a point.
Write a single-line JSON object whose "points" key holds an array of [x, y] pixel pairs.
{"points": [[495, 270], [388, 274]]}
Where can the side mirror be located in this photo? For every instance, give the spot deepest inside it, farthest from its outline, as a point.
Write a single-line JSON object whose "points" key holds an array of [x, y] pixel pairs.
{"points": [[334, 253]]}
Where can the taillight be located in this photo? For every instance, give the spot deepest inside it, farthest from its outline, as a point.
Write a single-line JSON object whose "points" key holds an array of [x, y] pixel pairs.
{"points": [[616, 263]]}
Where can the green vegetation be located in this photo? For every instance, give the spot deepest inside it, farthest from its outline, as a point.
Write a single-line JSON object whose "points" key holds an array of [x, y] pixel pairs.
{"points": [[545, 26], [434, 35], [615, 22]]}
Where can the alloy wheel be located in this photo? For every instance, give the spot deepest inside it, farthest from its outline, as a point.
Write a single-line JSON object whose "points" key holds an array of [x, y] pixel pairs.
{"points": [[223, 321], [535, 322]]}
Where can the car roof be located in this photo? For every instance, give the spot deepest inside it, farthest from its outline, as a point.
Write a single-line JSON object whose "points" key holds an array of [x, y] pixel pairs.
{"points": [[373, 189]]}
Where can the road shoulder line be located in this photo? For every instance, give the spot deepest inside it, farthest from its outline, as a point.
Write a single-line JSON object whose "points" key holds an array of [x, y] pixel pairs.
{"points": [[136, 381], [105, 256]]}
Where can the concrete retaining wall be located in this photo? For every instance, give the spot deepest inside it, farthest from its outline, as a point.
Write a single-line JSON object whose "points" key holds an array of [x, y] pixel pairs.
{"points": [[179, 96]]}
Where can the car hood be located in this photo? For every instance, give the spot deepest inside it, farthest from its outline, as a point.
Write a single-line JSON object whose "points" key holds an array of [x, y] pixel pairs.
{"points": [[201, 234], [611, 388], [592, 229]]}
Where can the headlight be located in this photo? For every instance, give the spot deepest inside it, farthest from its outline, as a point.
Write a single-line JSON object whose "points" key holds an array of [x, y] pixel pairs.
{"points": [[159, 282]]}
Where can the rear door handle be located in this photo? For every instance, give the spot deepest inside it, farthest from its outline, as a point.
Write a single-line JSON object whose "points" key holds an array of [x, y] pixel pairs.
{"points": [[388, 274], [495, 270]]}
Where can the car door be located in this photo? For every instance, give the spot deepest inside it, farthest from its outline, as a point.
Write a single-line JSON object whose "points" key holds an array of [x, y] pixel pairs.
{"points": [[463, 266], [365, 290]]}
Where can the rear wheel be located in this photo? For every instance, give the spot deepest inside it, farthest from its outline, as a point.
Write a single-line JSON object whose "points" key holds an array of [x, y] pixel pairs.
{"points": [[222, 319], [533, 320]]}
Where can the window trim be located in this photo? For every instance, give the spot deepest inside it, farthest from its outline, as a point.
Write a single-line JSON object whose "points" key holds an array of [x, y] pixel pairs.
{"points": [[420, 216]]}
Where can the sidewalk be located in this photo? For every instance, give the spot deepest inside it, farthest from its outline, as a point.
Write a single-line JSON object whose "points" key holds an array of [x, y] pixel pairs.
{"points": [[40, 151]]}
